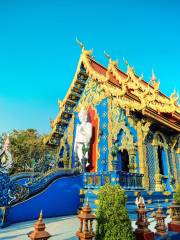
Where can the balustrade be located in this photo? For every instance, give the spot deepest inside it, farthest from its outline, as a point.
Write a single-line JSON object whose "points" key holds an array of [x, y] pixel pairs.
{"points": [[129, 181]]}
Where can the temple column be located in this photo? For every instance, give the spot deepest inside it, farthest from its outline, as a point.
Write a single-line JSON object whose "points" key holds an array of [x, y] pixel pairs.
{"points": [[158, 176], [142, 152], [132, 159], [173, 153], [174, 172]]}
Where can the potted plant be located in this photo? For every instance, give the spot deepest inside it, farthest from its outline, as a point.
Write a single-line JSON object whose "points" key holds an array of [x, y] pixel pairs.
{"points": [[112, 217]]}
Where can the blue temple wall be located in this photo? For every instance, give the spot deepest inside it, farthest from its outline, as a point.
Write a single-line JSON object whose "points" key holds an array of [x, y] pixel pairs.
{"points": [[167, 160], [102, 111], [177, 158], [150, 153]]}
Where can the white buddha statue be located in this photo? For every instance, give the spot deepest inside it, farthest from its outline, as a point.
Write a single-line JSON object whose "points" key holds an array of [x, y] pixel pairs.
{"points": [[83, 136]]}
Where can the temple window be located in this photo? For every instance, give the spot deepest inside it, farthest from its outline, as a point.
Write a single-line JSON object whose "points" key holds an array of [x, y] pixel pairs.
{"points": [[61, 152], [125, 160], [160, 158]]}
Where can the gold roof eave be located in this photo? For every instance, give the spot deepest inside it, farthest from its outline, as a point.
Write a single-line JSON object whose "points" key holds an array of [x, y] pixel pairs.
{"points": [[141, 95]]}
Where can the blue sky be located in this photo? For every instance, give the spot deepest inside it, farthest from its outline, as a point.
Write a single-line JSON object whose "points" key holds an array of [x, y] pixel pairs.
{"points": [[39, 56]]}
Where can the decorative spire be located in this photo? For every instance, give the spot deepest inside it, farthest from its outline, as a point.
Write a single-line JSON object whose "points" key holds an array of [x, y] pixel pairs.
{"points": [[39, 230], [174, 97], [60, 103], [130, 70], [51, 122], [154, 82], [87, 202], [153, 77], [112, 62], [125, 61], [41, 216], [84, 51]]}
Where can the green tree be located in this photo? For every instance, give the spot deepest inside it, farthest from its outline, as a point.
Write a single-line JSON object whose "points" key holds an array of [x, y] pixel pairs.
{"points": [[28, 151], [177, 194], [113, 222]]}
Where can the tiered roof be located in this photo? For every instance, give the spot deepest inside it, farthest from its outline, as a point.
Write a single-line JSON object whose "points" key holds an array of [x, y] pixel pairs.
{"points": [[129, 91]]}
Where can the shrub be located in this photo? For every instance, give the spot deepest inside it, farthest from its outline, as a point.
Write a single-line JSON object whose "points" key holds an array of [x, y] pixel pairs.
{"points": [[113, 222], [177, 194]]}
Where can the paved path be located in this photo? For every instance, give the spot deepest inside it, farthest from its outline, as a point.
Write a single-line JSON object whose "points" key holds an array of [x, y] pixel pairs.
{"points": [[62, 228]]}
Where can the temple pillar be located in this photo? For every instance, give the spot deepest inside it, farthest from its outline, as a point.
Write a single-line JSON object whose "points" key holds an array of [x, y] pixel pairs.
{"points": [[132, 160], [162, 178], [158, 176], [142, 154], [172, 152]]}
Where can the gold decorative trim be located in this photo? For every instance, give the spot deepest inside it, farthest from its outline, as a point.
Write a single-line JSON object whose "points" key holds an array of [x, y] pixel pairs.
{"points": [[131, 92], [166, 193], [142, 128]]}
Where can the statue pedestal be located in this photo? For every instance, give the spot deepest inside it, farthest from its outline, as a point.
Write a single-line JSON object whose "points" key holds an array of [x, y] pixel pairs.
{"points": [[144, 235], [174, 227]]}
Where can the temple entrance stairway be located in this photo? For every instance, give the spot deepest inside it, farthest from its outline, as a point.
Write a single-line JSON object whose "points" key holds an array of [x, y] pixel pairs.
{"points": [[23, 196], [152, 201]]}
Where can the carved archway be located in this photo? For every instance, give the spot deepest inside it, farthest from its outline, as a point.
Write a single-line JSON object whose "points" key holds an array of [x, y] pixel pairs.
{"points": [[162, 169], [127, 146]]}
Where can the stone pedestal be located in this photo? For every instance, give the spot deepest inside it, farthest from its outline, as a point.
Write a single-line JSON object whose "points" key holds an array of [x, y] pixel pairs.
{"points": [[142, 232], [160, 227], [144, 235], [174, 225], [39, 232], [86, 221]]}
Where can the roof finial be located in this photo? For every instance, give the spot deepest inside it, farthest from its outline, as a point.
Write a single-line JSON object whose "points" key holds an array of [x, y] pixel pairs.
{"points": [[107, 55], [174, 96], [80, 43], [60, 103], [154, 82], [153, 77], [51, 122], [87, 202], [113, 62], [41, 216], [125, 61], [84, 51]]}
